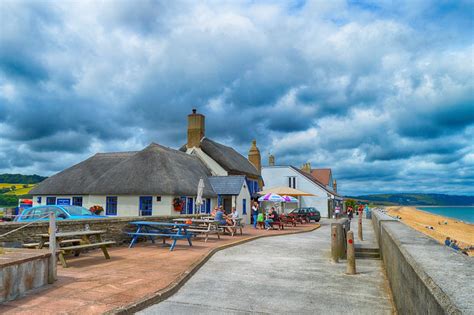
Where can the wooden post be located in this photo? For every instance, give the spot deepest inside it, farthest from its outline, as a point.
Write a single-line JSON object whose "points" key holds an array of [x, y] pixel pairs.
{"points": [[334, 247], [52, 273], [351, 264], [359, 230]]}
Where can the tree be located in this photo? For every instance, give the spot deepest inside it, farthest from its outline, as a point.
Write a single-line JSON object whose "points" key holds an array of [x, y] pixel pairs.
{"points": [[13, 187], [350, 203]]}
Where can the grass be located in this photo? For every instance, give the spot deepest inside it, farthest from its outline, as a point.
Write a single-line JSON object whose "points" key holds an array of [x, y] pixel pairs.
{"points": [[19, 191]]}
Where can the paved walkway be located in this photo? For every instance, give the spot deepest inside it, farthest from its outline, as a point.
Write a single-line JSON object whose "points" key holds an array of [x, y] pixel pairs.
{"points": [[93, 285], [283, 274]]}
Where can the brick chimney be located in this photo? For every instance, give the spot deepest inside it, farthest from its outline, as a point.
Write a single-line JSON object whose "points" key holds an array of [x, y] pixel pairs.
{"points": [[334, 185], [254, 156], [271, 160], [196, 129], [306, 168]]}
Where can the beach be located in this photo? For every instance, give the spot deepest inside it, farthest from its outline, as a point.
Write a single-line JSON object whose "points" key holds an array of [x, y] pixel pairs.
{"points": [[419, 220]]}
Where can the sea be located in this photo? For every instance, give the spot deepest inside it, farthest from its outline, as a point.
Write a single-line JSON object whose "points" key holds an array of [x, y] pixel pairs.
{"points": [[465, 214]]}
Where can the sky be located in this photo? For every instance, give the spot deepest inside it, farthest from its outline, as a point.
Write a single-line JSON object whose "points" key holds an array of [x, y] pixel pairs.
{"points": [[382, 92]]}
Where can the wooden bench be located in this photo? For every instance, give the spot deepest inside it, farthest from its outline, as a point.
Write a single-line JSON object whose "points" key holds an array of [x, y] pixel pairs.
{"points": [[233, 228], [280, 225], [206, 230], [78, 248], [164, 236], [287, 220], [75, 241]]}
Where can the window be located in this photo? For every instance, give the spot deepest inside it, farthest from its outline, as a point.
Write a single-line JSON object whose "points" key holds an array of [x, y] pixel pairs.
{"points": [[146, 205], [77, 201], [38, 200], [292, 182], [190, 206], [183, 201], [111, 206], [208, 205], [50, 200], [158, 198], [244, 206]]}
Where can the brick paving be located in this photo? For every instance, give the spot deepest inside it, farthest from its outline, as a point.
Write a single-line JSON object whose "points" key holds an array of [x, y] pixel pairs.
{"points": [[93, 285]]}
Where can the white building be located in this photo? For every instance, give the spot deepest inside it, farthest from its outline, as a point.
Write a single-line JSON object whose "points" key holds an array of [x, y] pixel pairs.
{"points": [[324, 198], [159, 180]]}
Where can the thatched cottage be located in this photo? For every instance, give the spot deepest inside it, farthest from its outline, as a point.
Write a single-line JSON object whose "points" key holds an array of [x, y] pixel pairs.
{"points": [[159, 180]]}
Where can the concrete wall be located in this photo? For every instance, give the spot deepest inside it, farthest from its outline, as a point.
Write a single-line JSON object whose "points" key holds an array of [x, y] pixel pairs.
{"points": [[22, 270], [278, 176], [425, 276], [115, 227]]}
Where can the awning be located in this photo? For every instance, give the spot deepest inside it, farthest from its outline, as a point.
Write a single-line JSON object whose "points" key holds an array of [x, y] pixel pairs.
{"points": [[282, 190]]}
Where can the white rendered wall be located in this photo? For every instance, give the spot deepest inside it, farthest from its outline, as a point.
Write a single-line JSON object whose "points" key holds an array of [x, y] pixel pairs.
{"points": [[126, 205], [213, 166], [278, 176], [238, 203]]}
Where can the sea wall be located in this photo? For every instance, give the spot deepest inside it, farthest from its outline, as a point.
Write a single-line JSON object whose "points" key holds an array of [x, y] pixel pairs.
{"points": [[115, 228], [22, 270], [425, 276]]}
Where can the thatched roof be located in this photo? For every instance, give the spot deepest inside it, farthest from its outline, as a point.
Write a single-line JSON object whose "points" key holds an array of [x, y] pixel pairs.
{"points": [[75, 180], [229, 159], [156, 170]]}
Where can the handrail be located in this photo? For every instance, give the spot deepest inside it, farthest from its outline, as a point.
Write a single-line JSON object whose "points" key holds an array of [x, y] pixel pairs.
{"points": [[24, 226]]}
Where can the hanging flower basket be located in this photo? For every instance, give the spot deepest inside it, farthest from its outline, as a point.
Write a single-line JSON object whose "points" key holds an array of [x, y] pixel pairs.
{"points": [[178, 204], [97, 210]]}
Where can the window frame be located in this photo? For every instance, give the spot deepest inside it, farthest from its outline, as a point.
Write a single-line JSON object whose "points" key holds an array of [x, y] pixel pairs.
{"points": [[50, 198], [143, 201], [109, 203], [74, 201]]}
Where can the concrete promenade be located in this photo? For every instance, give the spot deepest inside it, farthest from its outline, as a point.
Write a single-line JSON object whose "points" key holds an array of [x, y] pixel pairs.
{"points": [[283, 274]]}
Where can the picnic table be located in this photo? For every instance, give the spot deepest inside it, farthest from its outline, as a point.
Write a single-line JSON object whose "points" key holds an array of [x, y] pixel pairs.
{"points": [[201, 226], [85, 243], [151, 230]]}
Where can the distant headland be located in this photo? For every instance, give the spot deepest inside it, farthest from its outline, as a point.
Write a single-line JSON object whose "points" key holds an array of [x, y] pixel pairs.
{"points": [[416, 199]]}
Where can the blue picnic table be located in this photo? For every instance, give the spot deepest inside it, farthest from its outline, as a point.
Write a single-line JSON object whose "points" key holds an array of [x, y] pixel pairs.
{"points": [[151, 230]]}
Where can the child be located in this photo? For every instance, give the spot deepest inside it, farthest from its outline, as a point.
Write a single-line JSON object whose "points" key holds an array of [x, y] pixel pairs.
{"points": [[260, 218]]}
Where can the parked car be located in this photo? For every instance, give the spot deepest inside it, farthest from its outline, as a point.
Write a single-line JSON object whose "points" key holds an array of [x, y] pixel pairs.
{"points": [[61, 212], [310, 213]]}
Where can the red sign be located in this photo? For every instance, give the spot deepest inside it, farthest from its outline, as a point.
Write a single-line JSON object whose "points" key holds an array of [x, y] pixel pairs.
{"points": [[350, 241]]}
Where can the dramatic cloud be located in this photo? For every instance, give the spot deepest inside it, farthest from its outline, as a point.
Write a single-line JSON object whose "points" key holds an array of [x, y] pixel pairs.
{"points": [[380, 91]]}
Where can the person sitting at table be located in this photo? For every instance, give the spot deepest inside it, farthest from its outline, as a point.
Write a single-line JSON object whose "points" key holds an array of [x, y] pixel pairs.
{"points": [[272, 217], [213, 212], [220, 217], [234, 215]]}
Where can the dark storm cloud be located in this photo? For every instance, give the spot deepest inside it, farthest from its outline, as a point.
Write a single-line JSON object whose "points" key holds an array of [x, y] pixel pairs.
{"points": [[381, 92]]}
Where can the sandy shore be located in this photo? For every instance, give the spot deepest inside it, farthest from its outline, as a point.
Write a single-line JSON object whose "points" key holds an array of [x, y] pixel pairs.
{"points": [[462, 232]]}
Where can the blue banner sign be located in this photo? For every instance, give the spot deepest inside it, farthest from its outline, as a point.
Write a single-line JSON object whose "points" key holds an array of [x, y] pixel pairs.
{"points": [[63, 202]]}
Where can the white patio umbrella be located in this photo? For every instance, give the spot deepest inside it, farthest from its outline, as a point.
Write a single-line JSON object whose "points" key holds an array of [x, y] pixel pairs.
{"points": [[199, 200]]}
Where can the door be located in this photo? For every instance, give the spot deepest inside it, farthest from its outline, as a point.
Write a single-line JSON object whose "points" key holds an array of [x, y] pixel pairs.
{"points": [[190, 206], [146, 205]]}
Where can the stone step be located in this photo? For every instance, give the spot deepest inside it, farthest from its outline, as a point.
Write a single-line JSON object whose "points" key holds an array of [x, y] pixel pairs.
{"points": [[362, 255]]}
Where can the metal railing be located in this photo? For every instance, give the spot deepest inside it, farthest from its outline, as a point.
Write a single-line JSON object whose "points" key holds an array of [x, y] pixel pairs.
{"points": [[24, 226]]}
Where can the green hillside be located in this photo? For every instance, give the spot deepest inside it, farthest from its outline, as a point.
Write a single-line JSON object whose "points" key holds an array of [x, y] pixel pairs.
{"points": [[412, 199]]}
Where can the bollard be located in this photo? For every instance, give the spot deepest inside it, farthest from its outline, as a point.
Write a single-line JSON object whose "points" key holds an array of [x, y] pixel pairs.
{"points": [[334, 249], [359, 230], [351, 263]]}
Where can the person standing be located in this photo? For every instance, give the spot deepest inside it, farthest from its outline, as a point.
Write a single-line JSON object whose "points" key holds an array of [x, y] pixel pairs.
{"points": [[350, 213], [255, 214], [337, 211]]}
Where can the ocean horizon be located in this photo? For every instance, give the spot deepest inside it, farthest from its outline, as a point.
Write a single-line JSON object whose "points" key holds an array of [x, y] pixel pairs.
{"points": [[462, 213]]}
